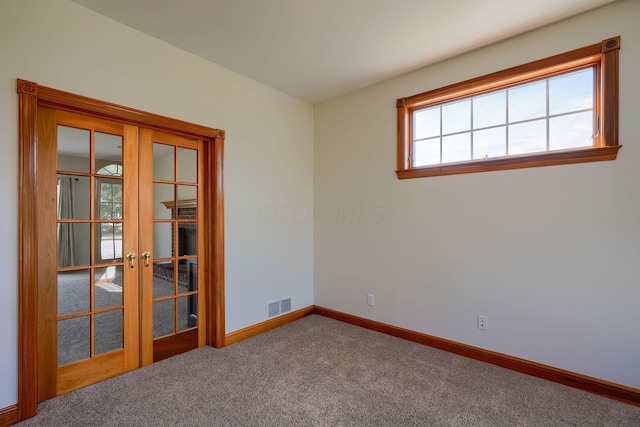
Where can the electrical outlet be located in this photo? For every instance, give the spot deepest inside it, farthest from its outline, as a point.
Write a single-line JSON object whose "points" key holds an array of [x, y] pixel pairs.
{"points": [[371, 300], [483, 322]]}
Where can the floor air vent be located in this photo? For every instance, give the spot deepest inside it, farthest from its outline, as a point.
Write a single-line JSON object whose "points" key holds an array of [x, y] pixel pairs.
{"points": [[278, 307]]}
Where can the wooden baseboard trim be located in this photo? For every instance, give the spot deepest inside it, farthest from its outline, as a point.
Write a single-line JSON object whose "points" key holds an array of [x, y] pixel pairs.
{"points": [[582, 382], [267, 325], [9, 416]]}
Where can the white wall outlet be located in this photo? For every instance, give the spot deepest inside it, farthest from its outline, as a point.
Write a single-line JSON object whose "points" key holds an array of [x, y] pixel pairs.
{"points": [[483, 322], [371, 300]]}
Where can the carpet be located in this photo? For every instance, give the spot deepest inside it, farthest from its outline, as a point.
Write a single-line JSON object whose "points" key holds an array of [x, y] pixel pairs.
{"points": [[321, 372]]}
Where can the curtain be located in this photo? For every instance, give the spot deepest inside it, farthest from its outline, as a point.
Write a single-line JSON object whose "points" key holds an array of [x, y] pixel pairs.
{"points": [[66, 252]]}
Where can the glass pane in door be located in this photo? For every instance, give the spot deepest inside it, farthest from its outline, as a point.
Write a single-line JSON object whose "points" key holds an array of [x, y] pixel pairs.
{"points": [[108, 331], [109, 200], [74, 340], [190, 281], [73, 292], [73, 244], [163, 318], [108, 154], [163, 239], [73, 197], [163, 279], [108, 242], [187, 238], [163, 162], [108, 287], [187, 195], [187, 312], [163, 201], [187, 165], [73, 149]]}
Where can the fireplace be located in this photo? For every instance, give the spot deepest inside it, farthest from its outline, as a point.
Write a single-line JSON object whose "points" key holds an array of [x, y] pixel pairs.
{"points": [[186, 243]]}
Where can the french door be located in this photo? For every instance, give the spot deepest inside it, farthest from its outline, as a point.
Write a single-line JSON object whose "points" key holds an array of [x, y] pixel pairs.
{"points": [[171, 237], [121, 255]]}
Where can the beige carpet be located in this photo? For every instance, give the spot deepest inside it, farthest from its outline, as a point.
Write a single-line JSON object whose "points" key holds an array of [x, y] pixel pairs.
{"points": [[321, 372]]}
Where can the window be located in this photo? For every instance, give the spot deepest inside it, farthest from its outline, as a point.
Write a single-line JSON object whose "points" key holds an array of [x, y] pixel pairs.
{"points": [[558, 110], [110, 208]]}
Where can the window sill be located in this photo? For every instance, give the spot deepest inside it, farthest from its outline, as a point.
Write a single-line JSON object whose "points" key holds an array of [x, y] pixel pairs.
{"points": [[583, 155]]}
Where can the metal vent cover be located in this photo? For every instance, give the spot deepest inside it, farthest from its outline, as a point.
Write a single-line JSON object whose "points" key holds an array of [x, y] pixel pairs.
{"points": [[278, 307], [273, 309], [285, 305]]}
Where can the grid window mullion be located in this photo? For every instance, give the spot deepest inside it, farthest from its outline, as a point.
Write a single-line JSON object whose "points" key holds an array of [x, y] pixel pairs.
{"points": [[506, 120], [547, 112], [440, 111], [471, 129]]}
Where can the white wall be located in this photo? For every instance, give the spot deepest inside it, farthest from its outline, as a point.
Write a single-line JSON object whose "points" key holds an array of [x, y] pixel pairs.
{"points": [[551, 255], [268, 157]]}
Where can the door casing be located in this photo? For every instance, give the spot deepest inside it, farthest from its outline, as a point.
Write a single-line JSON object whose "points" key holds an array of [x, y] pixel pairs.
{"points": [[30, 97]]}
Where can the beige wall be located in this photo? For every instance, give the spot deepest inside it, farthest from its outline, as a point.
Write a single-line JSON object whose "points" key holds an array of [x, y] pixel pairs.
{"points": [[268, 157], [551, 255]]}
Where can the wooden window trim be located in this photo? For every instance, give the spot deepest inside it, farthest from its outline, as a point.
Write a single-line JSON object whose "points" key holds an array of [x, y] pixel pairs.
{"points": [[30, 97], [605, 55]]}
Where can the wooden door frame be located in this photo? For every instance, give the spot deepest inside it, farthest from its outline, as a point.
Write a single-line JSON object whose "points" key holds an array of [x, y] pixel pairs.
{"points": [[30, 97]]}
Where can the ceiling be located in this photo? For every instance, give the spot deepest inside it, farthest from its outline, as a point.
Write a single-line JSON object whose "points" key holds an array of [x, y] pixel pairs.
{"points": [[316, 50]]}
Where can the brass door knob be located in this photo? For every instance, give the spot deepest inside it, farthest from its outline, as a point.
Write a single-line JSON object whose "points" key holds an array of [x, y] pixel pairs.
{"points": [[146, 256], [131, 256]]}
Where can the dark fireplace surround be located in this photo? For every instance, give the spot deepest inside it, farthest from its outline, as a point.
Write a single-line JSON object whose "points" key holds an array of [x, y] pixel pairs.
{"points": [[187, 244]]}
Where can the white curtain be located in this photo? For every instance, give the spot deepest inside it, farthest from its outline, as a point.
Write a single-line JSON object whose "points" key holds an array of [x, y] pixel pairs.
{"points": [[66, 251]]}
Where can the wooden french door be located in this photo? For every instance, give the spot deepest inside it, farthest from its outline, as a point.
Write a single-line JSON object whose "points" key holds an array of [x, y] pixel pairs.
{"points": [[171, 237], [121, 256]]}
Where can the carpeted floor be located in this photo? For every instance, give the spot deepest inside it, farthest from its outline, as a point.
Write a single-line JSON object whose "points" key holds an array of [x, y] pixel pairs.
{"points": [[321, 372]]}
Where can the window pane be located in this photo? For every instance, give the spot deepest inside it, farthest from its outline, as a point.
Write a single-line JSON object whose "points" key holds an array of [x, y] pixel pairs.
{"points": [[490, 143], [108, 198], [187, 165], [73, 292], [74, 340], [456, 148], [456, 117], [73, 244], [73, 197], [426, 123], [108, 241], [108, 154], [187, 202], [73, 149], [164, 279], [528, 101], [490, 109], [530, 137], [187, 238], [108, 331], [571, 92], [426, 152], [187, 312], [163, 193], [108, 286], [163, 318], [163, 162], [571, 131], [163, 239], [190, 281]]}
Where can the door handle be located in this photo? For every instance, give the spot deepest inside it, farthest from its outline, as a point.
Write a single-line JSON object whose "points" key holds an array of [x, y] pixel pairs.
{"points": [[146, 256], [131, 256]]}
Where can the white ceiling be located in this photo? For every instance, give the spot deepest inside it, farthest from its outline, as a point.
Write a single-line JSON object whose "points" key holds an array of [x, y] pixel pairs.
{"points": [[316, 50]]}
